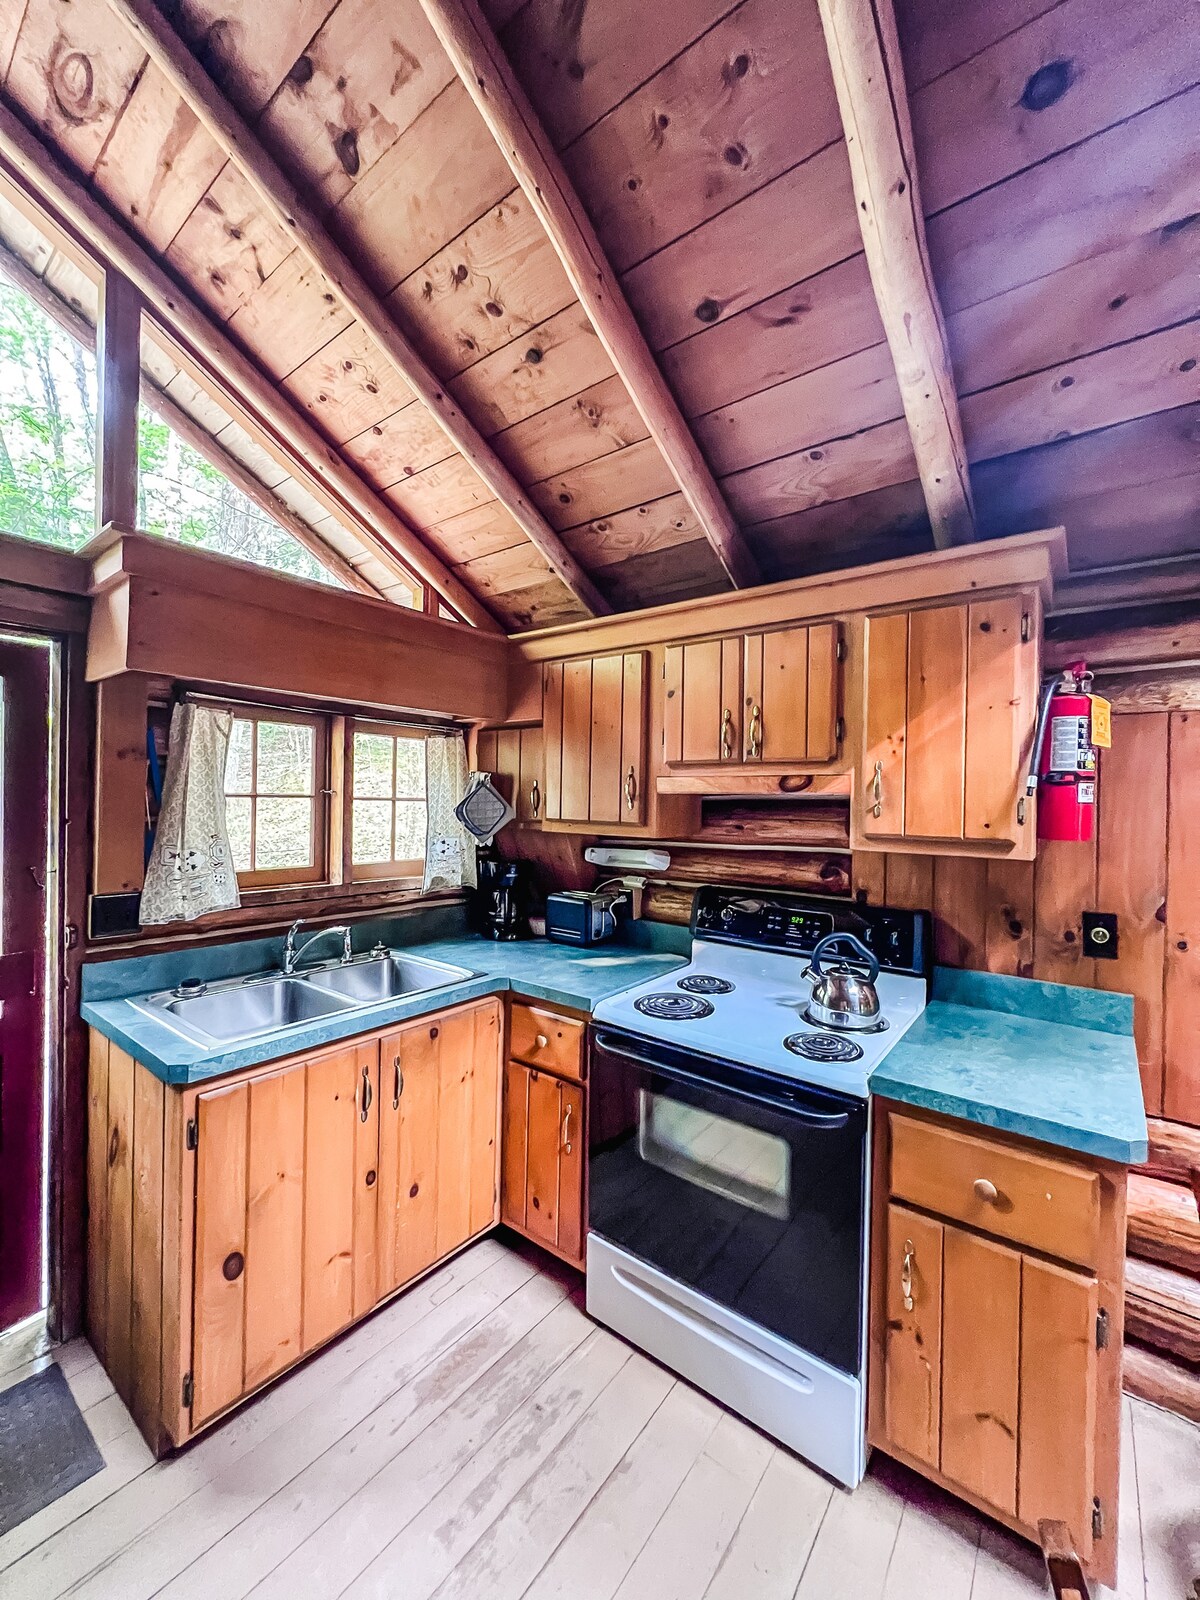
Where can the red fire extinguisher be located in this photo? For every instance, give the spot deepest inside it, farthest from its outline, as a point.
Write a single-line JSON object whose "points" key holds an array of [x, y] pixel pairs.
{"points": [[1071, 723]]}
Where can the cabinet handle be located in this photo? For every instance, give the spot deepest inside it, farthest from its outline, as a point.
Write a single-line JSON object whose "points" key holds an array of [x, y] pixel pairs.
{"points": [[541, 1041], [631, 788], [535, 798], [566, 1133], [906, 1274], [754, 739], [398, 1086], [727, 736], [366, 1093], [877, 790], [986, 1191]]}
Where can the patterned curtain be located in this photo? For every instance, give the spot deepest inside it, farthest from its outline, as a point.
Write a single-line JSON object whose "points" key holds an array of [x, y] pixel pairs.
{"points": [[449, 848], [191, 866]]}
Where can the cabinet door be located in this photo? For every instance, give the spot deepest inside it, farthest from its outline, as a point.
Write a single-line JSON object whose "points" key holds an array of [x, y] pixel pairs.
{"points": [[703, 709], [912, 1356], [777, 695], [285, 1219], [543, 1159], [594, 739], [981, 1342], [341, 1152], [1056, 1476], [937, 723], [552, 738], [530, 783], [886, 716], [1001, 712], [440, 1086]]}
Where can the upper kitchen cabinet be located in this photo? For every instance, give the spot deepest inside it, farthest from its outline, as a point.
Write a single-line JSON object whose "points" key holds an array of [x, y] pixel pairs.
{"points": [[764, 699], [949, 713], [594, 727], [514, 758]]}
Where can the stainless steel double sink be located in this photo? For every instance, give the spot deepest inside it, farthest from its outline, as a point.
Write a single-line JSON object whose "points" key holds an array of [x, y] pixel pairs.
{"points": [[235, 1010]]}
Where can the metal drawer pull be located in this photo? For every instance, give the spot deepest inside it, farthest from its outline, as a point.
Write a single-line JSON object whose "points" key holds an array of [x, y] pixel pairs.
{"points": [[566, 1134], [906, 1274], [986, 1191], [398, 1086], [727, 735], [366, 1093], [755, 739], [877, 791], [631, 788]]}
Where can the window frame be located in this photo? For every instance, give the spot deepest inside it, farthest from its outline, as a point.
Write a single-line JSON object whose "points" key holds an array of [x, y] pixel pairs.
{"points": [[318, 873], [392, 871]]}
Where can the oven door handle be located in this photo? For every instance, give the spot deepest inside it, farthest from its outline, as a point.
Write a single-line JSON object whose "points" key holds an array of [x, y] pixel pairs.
{"points": [[812, 1119]]}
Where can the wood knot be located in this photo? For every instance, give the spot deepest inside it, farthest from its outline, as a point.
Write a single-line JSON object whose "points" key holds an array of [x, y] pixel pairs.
{"points": [[302, 71], [533, 356], [346, 149], [1047, 85], [73, 85], [708, 311]]}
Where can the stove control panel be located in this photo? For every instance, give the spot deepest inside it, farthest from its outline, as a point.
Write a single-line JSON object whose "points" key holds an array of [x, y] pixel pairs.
{"points": [[771, 919]]}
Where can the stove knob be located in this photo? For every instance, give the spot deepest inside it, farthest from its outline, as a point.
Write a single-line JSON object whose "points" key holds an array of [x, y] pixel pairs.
{"points": [[727, 914]]}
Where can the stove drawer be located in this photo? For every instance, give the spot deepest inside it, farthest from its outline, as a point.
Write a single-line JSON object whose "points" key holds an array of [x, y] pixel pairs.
{"points": [[546, 1040], [1030, 1199]]}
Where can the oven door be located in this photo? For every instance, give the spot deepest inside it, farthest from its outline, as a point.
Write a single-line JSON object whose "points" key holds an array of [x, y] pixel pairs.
{"points": [[746, 1188]]}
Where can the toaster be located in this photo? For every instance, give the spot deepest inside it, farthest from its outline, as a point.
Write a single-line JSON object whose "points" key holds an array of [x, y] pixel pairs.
{"points": [[576, 916]]}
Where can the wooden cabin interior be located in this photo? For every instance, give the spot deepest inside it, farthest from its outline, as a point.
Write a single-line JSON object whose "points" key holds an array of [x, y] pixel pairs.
{"points": [[600, 666]]}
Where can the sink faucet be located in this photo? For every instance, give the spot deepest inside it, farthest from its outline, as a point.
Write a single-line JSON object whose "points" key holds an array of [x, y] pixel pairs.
{"points": [[291, 955]]}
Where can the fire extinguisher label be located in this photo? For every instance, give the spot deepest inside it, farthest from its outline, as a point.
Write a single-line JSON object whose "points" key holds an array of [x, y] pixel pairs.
{"points": [[1085, 794], [1070, 745]]}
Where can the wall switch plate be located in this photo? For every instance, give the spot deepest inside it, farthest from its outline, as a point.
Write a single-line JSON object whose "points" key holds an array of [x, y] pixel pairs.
{"points": [[1100, 935]]}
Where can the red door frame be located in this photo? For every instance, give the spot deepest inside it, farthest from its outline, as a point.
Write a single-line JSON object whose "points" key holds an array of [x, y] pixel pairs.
{"points": [[28, 680]]}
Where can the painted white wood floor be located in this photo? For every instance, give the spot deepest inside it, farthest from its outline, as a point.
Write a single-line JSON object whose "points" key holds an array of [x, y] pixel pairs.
{"points": [[481, 1438]]}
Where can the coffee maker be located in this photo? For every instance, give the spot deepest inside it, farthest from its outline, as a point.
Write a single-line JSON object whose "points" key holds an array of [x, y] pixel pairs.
{"points": [[502, 906]]}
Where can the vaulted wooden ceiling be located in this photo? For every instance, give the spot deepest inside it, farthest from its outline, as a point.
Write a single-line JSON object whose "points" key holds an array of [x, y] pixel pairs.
{"points": [[1057, 149]]}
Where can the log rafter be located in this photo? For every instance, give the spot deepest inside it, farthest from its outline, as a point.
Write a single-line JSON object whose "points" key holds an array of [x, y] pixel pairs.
{"points": [[868, 75], [296, 441], [303, 222], [488, 78]]}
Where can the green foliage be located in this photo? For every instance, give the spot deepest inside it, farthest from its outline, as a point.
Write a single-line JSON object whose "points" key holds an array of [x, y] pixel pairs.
{"points": [[47, 457]]}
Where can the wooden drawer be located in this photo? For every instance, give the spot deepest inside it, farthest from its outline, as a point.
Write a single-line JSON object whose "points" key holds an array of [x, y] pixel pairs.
{"points": [[1045, 1204], [543, 1039]]}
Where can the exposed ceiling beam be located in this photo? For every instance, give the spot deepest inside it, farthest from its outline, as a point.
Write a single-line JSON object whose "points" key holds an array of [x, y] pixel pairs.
{"points": [[868, 75], [490, 81], [297, 443], [307, 227], [186, 426]]}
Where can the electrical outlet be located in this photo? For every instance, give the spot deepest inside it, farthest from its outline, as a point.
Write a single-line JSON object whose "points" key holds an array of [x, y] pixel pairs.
{"points": [[1100, 935]]}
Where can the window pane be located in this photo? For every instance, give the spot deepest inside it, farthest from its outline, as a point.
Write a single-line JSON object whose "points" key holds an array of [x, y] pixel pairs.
{"points": [[372, 832], [410, 830], [285, 758], [239, 763], [410, 770], [373, 764], [283, 835], [237, 820]]}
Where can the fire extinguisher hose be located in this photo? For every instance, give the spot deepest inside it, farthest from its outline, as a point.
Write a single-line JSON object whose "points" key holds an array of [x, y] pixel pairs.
{"points": [[1039, 738]]}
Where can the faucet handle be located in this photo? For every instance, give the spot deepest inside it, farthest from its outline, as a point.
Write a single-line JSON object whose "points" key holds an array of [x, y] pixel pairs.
{"points": [[347, 950]]}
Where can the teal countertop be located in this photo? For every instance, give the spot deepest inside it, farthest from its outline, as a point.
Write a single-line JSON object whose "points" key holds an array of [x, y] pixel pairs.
{"points": [[556, 973], [1051, 1062]]}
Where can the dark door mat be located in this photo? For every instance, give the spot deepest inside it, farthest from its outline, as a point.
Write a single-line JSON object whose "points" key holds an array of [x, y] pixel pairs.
{"points": [[46, 1448]]}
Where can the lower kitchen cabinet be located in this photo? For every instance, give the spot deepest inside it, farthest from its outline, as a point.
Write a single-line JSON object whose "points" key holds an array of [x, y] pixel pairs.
{"points": [[544, 1146], [235, 1228], [438, 1134], [996, 1324]]}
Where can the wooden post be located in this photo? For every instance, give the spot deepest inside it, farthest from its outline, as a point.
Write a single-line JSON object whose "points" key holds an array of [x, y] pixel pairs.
{"points": [[118, 853], [119, 376], [864, 53], [504, 106], [304, 223]]}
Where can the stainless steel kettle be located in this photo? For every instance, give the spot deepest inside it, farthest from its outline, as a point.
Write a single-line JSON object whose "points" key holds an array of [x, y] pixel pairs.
{"points": [[842, 995]]}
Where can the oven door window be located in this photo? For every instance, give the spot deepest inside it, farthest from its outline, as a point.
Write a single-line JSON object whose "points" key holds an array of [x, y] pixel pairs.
{"points": [[747, 1165], [743, 1200]]}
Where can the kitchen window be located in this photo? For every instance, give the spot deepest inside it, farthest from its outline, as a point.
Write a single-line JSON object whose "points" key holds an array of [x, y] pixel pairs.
{"points": [[387, 821], [275, 773]]}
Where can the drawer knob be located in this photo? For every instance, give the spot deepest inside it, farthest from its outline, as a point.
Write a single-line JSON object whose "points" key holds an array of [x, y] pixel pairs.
{"points": [[542, 1041], [986, 1191]]}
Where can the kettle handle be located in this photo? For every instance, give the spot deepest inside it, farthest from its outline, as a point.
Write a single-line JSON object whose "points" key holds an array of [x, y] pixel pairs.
{"points": [[825, 946]]}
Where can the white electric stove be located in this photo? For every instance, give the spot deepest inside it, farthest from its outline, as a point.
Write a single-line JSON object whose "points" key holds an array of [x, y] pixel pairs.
{"points": [[728, 1163]]}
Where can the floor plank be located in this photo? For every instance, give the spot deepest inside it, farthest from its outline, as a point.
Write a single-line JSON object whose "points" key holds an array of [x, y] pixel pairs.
{"points": [[480, 1436]]}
